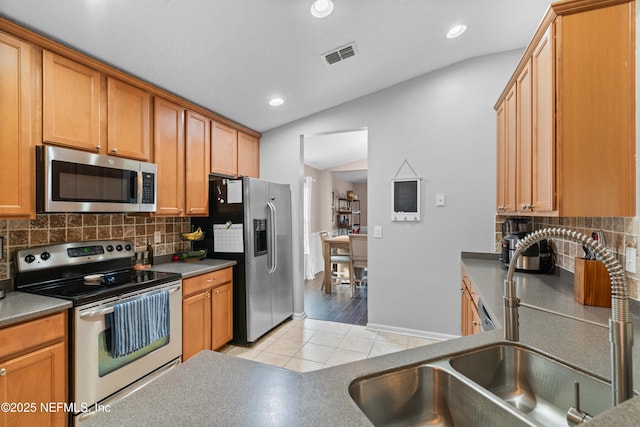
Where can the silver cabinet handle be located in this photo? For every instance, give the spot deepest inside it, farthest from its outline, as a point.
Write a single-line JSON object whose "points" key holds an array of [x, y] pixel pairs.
{"points": [[3, 372], [98, 147], [114, 150]]}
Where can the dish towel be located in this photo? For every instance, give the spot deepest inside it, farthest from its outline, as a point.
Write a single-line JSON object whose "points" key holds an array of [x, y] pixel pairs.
{"points": [[138, 323]]}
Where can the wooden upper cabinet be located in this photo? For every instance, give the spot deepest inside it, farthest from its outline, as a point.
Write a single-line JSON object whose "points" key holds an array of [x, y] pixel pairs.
{"points": [[510, 152], [523, 140], [501, 162], [168, 144], [71, 103], [543, 125], [248, 155], [128, 120], [596, 77], [575, 87], [17, 169], [197, 157], [224, 150]]}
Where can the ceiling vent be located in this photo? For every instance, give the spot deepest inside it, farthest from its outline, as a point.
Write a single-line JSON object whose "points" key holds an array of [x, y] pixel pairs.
{"points": [[340, 54]]}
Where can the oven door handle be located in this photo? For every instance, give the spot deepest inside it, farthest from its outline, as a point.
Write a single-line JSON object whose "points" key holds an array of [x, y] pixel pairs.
{"points": [[110, 309]]}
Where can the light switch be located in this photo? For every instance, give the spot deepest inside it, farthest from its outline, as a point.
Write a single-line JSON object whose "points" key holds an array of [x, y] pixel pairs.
{"points": [[377, 231], [157, 237], [440, 199], [630, 259]]}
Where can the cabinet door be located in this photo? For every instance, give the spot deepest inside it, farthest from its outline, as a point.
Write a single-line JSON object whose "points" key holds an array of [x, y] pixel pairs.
{"points": [[128, 121], [597, 74], [34, 378], [501, 158], [71, 98], [465, 306], [543, 149], [510, 155], [506, 154], [168, 144], [221, 316], [224, 150], [523, 140], [248, 155], [196, 324], [17, 167], [198, 144]]}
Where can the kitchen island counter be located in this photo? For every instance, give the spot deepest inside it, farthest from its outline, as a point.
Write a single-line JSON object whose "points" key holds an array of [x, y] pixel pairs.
{"points": [[219, 389]]}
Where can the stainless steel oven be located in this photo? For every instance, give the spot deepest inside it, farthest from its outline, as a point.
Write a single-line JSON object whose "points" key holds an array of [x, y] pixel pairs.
{"points": [[97, 277], [97, 375], [77, 181]]}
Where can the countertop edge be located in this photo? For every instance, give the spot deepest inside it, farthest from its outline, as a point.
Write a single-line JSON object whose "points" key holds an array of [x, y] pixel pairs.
{"points": [[191, 269], [18, 307]]}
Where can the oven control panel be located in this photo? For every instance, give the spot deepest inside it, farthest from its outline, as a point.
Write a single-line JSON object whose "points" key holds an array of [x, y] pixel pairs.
{"points": [[64, 254]]}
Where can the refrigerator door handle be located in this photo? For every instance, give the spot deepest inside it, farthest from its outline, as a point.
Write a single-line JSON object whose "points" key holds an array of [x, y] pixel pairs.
{"points": [[273, 247]]}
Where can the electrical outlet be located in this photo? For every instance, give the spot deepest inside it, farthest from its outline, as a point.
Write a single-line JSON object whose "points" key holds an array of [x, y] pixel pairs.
{"points": [[630, 259], [157, 237]]}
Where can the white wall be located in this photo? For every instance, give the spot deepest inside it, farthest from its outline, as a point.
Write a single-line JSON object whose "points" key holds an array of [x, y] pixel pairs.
{"points": [[443, 124]]}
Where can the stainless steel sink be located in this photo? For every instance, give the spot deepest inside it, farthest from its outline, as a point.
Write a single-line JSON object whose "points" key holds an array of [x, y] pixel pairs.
{"points": [[427, 395], [532, 383]]}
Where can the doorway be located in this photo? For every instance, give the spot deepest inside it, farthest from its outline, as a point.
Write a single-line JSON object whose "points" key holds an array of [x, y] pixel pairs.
{"points": [[334, 167]]}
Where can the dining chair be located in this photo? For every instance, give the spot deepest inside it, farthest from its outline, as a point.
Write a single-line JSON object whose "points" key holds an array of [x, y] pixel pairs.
{"points": [[336, 259], [358, 260]]}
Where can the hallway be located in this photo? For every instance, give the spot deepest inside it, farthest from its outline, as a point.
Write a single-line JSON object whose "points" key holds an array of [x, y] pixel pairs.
{"points": [[338, 306]]}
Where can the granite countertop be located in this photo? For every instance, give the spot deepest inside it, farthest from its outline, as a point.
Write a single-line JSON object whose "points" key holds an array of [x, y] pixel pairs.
{"points": [[216, 388], [18, 307], [190, 269]]}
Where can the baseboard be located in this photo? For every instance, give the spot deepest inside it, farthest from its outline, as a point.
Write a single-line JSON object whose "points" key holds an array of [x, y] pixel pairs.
{"points": [[299, 316], [411, 332]]}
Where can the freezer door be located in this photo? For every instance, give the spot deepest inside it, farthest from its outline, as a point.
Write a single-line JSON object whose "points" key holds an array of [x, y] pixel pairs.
{"points": [[258, 280], [282, 275]]}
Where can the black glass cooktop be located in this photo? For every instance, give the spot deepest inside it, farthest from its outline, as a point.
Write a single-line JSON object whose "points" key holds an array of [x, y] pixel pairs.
{"points": [[73, 287]]}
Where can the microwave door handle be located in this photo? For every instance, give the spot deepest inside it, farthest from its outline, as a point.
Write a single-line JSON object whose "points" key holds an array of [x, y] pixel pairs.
{"points": [[139, 188]]}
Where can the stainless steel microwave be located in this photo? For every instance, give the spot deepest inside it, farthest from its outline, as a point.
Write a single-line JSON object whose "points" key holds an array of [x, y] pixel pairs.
{"points": [[76, 181]]}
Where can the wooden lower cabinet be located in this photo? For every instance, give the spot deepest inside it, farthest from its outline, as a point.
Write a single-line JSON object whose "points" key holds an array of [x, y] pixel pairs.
{"points": [[33, 371], [471, 323], [207, 312]]}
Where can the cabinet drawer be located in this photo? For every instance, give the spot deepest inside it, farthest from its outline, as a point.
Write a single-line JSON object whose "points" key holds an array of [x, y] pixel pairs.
{"points": [[206, 281], [31, 335]]}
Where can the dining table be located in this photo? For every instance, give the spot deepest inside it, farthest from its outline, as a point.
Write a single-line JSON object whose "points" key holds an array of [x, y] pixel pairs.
{"points": [[335, 242]]}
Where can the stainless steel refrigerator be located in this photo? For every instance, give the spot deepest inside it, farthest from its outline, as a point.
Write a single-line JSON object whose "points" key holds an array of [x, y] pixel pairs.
{"points": [[250, 222]]}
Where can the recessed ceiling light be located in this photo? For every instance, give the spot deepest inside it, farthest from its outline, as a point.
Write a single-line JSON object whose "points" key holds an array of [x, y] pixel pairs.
{"points": [[276, 102], [456, 31], [321, 8]]}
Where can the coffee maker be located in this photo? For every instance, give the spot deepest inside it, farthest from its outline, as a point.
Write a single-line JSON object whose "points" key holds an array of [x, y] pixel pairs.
{"points": [[536, 259]]}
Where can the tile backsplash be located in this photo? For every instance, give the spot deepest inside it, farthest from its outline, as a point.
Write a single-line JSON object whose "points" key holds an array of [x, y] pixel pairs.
{"points": [[619, 233], [48, 229]]}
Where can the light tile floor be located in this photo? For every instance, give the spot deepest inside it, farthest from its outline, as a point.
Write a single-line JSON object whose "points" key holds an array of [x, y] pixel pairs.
{"points": [[309, 344]]}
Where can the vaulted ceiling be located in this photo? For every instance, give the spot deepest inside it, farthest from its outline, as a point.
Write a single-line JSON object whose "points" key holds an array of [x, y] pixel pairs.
{"points": [[233, 56]]}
